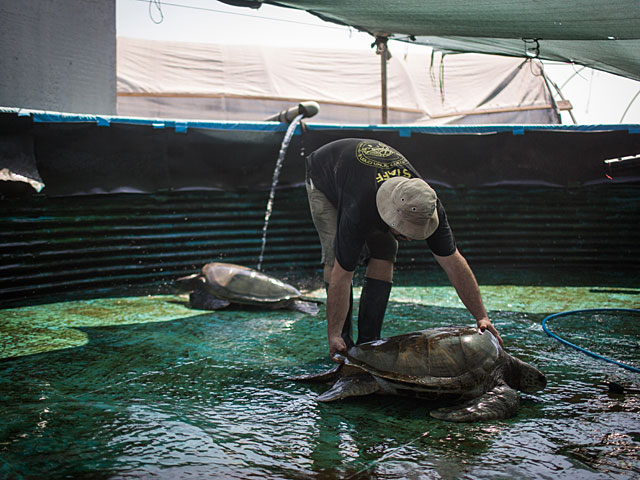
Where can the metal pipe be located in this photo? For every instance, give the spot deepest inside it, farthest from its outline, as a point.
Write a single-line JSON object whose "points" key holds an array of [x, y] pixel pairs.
{"points": [[306, 109]]}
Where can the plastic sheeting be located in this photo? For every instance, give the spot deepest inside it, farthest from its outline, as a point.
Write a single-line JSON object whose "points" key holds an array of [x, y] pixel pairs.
{"points": [[603, 35], [18, 170], [229, 82]]}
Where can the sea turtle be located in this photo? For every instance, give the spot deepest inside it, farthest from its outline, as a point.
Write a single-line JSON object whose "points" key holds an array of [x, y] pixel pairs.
{"points": [[222, 284], [467, 372]]}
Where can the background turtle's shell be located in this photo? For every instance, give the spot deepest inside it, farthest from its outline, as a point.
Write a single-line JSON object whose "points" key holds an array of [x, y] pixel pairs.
{"points": [[240, 284], [455, 359]]}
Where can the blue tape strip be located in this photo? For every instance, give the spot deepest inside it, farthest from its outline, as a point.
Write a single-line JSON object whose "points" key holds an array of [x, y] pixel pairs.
{"points": [[403, 130]]}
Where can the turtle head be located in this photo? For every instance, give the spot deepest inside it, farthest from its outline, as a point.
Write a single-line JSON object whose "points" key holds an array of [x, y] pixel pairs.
{"points": [[188, 284], [524, 377]]}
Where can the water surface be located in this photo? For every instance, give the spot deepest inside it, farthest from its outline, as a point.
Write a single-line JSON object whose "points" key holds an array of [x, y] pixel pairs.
{"points": [[132, 387]]}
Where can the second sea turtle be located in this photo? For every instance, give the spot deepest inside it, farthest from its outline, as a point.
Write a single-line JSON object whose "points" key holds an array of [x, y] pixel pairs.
{"points": [[219, 285]]}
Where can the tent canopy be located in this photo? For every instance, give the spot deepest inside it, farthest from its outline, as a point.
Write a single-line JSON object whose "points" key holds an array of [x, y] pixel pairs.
{"points": [[238, 82], [602, 35]]}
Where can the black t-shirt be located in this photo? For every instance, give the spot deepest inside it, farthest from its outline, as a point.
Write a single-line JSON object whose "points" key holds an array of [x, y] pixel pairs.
{"points": [[349, 173]]}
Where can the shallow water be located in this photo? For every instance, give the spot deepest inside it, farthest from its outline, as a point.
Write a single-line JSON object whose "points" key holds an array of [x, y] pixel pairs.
{"points": [[145, 387]]}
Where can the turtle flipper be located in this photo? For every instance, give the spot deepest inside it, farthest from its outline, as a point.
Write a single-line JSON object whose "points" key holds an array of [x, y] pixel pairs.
{"points": [[201, 299], [350, 386], [349, 382], [322, 377], [501, 402], [310, 308]]}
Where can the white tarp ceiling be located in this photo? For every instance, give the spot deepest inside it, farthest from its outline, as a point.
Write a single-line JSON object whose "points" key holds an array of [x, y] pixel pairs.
{"points": [[602, 35], [240, 82]]}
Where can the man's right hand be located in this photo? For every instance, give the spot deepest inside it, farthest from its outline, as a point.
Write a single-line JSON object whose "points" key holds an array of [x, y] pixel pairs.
{"points": [[336, 345], [338, 299]]}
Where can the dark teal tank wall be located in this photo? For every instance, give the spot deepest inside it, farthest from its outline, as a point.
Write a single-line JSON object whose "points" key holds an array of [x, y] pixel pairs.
{"points": [[82, 154], [50, 246]]}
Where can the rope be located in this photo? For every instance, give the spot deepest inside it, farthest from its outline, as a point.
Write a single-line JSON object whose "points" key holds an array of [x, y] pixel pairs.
{"points": [[588, 352]]}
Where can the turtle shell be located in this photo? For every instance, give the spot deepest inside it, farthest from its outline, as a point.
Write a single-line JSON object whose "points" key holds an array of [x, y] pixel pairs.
{"points": [[454, 359], [239, 284]]}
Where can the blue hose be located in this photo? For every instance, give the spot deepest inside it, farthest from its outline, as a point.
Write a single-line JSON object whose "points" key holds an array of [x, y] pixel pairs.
{"points": [[595, 355]]}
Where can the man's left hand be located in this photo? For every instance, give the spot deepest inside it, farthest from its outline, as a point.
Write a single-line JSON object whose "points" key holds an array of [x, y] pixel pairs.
{"points": [[485, 324]]}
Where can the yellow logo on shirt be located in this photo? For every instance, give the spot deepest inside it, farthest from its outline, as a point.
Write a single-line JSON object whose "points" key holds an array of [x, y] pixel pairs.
{"points": [[379, 155], [396, 172]]}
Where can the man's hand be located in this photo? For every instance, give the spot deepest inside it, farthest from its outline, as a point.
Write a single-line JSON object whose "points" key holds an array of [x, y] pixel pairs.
{"points": [[336, 345], [338, 299], [485, 324]]}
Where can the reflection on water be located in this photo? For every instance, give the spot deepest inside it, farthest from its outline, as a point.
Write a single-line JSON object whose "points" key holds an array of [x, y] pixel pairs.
{"points": [[205, 395]]}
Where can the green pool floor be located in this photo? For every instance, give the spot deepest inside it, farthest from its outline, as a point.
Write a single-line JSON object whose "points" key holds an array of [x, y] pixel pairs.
{"points": [[130, 387]]}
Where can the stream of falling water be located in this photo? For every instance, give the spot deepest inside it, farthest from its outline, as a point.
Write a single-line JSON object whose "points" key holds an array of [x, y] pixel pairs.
{"points": [[274, 183]]}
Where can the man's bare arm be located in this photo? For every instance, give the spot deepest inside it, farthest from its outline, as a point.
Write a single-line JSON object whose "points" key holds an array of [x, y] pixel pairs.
{"points": [[338, 298], [463, 280]]}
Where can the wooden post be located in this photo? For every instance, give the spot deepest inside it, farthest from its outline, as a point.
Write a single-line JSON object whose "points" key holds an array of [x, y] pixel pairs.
{"points": [[381, 49]]}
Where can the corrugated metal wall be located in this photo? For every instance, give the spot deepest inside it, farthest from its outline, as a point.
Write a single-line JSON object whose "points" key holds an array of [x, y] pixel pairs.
{"points": [[50, 246], [584, 227], [74, 243]]}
